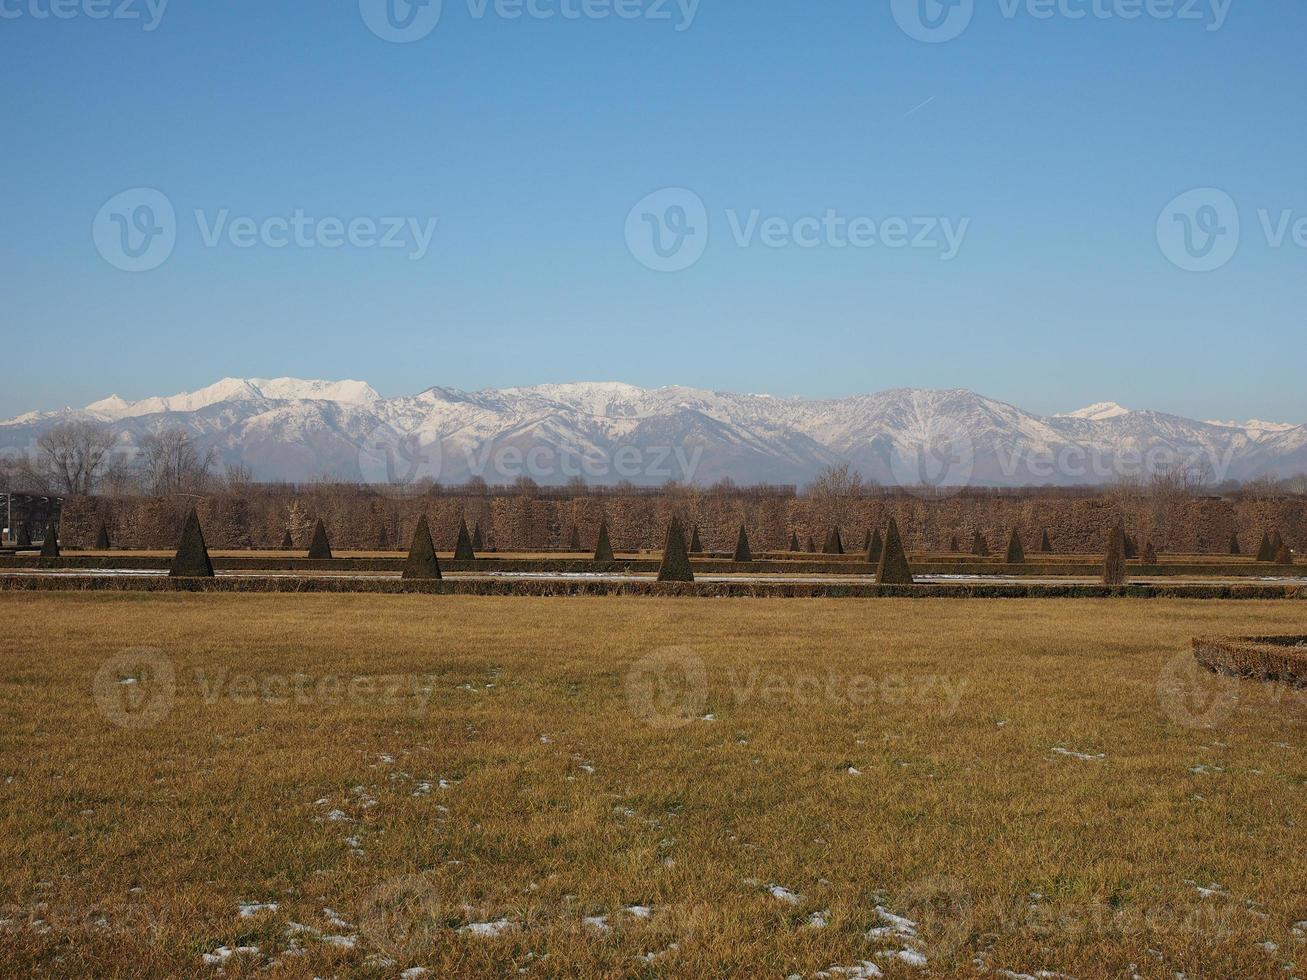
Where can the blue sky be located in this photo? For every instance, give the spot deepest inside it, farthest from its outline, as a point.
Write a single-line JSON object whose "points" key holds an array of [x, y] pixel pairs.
{"points": [[1053, 142]]}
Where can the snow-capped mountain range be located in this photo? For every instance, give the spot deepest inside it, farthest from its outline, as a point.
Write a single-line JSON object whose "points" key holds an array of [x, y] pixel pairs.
{"points": [[608, 432]]}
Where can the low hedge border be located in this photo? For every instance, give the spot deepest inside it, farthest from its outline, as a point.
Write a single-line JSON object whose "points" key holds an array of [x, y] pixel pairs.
{"points": [[584, 587], [1266, 658], [623, 565]]}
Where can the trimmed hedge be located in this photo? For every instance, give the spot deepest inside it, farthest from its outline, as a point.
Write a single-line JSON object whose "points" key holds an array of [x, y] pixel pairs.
{"points": [[599, 587], [1266, 658], [810, 565]]}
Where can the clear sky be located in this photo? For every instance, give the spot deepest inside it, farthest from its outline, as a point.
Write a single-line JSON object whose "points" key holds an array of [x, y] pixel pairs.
{"points": [[1049, 144]]}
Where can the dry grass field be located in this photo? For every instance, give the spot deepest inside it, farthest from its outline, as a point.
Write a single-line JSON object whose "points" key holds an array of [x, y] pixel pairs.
{"points": [[355, 785]]}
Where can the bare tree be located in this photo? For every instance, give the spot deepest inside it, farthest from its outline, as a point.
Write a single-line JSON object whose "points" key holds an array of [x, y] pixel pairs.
{"points": [[833, 493], [238, 477], [71, 456], [173, 464], [1296, 485]]}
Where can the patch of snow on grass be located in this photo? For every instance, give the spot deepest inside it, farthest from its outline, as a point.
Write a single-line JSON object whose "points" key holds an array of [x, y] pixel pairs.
{"points": [[898, 925], [1082, 756], [908, 956], [784, 894], [224, 953], [251, 909], [486, 930], [861, 971]]}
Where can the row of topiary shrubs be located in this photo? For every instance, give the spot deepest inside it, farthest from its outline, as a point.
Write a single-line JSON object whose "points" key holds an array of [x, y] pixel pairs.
{"points": [[887, 552]]}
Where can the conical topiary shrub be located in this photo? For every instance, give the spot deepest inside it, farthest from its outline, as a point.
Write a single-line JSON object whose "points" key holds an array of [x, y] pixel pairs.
{"points": [[866, 540], [1234, 545], [192, 558], [574, 541], [603, 547], [102, 538], [675, 566], [812, 545], [382, 540], [979, 546], [953, 544], [24, 536], [893, 568], [463, 546], [1131, 547], [1150, 553], [794, 540], [320, 547], [1284, 556], [1046, 544], [422, 562], [478, 539], [287, 543], [834, 544], [742, 552], [876, 547], [1277, 542], [1016, 554], [1114, 560], [50, 546], [696, 547], [1264, 550]]}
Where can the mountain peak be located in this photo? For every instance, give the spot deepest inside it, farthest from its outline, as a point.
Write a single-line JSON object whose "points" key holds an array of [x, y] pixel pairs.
{"points": [[1097, 412], [115, 407]]}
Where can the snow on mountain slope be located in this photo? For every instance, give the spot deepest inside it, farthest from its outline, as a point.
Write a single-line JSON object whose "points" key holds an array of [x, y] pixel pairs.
{"points": [[606, 432], [1097, 412], [236, 389]]}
